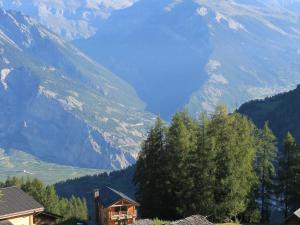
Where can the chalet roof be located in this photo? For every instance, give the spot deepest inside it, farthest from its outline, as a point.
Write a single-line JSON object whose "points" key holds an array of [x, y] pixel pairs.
{"points": [[297, 213], [15, 202], [5, 222], [192, 220], [144, 222], [109, 196]]}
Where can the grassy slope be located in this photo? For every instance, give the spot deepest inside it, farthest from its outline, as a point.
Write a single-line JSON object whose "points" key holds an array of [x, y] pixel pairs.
{"points": [[17, 163]]}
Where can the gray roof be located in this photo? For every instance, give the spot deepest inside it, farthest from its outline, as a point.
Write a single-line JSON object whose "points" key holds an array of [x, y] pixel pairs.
{"points": [[144, 222], [109, 196], [5, 222], [297, 213], [193, 220], [14, 201]]}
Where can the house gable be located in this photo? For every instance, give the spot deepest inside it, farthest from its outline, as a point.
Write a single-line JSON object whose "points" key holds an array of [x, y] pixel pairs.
{"points": [[124, 202], [15, 202]]}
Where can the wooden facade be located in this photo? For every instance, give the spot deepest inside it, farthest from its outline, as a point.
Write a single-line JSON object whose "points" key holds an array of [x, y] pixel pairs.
{"points": [[117, 209], [294, 219]]}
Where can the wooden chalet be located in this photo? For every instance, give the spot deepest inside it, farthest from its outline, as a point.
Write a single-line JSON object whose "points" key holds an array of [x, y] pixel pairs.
{"points": [[294, 219], [18, 208], [114, 208]]}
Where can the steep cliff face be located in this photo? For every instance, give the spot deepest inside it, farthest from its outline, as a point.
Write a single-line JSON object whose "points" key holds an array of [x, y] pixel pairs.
{"points": [[61, 106]]}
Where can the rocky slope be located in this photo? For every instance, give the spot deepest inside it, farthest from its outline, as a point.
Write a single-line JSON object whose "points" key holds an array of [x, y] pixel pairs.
{"points": [[184, 53], [195, 54], [61, 106]]}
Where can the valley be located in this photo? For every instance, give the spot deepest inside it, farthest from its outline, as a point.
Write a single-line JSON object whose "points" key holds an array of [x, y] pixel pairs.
{"points": [[59, 105], [186, 106], [16, 163], [189, 54]]}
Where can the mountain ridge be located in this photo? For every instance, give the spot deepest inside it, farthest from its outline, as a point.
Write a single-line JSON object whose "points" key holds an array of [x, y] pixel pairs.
{"points": [[61, 106], [185, 54], [280, 111]]}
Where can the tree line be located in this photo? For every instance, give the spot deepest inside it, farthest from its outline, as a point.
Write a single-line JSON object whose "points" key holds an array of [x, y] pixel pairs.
{"points": [[72, 208], [221, 166]]}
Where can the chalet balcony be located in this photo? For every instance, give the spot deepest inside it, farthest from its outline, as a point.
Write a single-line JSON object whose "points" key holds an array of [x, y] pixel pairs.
{"points": [[122, 215]]}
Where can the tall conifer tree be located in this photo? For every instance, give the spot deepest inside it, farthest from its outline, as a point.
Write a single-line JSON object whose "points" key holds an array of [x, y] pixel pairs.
{"points": [[234, 142], [265, 169], [151, 176], [289, 174], [181, 141]]}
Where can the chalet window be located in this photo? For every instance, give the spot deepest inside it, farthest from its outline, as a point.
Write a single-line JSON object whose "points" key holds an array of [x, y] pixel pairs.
{"points": [[122, 209]]}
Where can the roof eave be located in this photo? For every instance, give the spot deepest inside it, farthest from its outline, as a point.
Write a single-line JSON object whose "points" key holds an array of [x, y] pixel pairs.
{"points": [[133, 203], [11, 215]]}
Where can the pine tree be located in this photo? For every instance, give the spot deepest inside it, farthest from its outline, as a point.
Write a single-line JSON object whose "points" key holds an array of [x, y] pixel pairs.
{"points": [[51, 200], [234, 142], [201, 169], [151, 178], [289, 174], [181, 142], [193, 167], [265, 169]]}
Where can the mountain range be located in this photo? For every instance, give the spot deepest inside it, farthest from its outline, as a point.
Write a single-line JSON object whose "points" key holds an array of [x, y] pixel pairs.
{"points": [[184, 53], [59, 105], [81, 80]]}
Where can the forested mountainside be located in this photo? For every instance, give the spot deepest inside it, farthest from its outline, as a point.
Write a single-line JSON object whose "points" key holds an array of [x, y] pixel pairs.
{"points": [[282, 111], [59, 105], [191, 53]]}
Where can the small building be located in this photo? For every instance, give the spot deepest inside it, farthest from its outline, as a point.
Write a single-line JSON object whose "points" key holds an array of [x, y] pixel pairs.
{"points": [[294, 219], [18, 208], [114, 208]]}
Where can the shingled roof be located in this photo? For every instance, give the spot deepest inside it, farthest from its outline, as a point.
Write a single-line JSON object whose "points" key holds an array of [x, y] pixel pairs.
{"points": [[5, 222], [144, 222], [109, 196], [295, 215], [15, 202], [192, 220]]}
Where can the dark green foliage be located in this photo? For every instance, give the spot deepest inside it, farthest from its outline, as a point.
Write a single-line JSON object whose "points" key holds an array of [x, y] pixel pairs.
{"points": [[181, 140], [288, 174], [282, 111], [74, 207], [205, 167], [265, 169], [157, 178], [233, 140]]}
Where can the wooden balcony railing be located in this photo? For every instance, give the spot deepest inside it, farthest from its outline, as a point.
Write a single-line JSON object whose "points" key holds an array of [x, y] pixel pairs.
{"points": [[122, 215]]}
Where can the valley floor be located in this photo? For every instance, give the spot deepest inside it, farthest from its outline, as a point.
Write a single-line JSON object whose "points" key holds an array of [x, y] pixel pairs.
{"points": [[20, 164]]}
